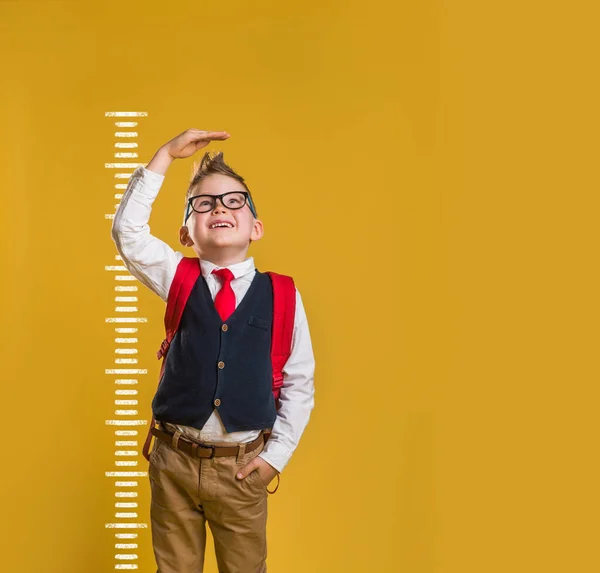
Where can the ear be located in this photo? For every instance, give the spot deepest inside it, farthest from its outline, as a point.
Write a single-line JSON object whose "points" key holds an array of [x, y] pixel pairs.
{"points": [[257, 230], [184, 237]]}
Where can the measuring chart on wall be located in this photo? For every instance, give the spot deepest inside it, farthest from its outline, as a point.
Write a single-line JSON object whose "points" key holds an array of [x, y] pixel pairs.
{"points": [[125, 370]]}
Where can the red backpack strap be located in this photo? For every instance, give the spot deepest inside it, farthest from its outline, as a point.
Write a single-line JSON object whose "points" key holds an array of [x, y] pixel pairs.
{"points": [[284, 311], [186, 275]]}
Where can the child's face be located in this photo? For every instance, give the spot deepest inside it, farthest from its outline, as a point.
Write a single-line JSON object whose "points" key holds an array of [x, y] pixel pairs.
{"points": [[209, 241]]}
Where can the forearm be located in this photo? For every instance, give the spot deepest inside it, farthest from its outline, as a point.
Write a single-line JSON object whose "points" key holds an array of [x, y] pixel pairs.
{"points": [[160, 162], [292, 418]]}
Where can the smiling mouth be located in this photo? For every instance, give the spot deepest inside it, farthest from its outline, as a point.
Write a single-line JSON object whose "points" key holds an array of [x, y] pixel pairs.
{"points": [[219, 226]]}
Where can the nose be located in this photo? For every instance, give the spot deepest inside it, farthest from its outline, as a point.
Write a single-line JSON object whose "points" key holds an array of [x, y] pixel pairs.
{"points": [[219, 206]]}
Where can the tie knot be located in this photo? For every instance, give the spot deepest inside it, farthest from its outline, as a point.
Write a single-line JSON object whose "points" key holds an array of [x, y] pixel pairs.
{"points": [[225, 275]]}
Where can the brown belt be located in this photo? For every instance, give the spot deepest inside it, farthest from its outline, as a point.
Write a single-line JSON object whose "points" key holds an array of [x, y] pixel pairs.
{"points": [[205, 450]]}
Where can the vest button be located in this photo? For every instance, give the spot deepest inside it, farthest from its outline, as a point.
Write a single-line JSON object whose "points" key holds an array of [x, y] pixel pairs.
{"points": [[217, 402], [224, 328], [221, 364]]}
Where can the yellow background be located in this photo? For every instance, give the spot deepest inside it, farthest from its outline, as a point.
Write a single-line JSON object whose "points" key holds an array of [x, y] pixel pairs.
{"points": [[426, 171]]}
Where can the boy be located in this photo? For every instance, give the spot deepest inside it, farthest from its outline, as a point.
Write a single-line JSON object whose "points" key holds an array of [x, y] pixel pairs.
{"points": [[197, 404]]}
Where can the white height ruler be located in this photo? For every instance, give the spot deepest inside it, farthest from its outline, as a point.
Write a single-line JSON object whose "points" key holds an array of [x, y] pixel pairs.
{"points": [[125, 369]]}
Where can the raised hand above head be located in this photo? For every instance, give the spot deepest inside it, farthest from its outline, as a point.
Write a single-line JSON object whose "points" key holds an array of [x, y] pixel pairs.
{"points": [[190, 141]]}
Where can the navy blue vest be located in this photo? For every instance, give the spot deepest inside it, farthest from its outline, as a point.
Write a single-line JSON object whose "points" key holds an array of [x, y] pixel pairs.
{"points": [[223, 365]]}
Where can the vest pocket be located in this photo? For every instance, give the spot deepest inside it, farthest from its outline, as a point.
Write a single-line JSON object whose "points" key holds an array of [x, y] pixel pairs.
{"points": [[260, 322]]}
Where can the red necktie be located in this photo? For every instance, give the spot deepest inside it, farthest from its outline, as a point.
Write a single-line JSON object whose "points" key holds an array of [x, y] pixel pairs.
{"points": [[225, 299]]}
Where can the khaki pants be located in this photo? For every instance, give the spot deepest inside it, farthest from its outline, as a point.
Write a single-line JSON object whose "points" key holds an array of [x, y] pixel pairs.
{"points": [[188, 492]]}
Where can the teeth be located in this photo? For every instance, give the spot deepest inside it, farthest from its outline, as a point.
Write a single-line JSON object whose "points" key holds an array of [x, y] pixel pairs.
{"points": [[221, 225]]}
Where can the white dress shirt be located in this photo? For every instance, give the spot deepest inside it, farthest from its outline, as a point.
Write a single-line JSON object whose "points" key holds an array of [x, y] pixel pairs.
{"points": [[153, 262]]}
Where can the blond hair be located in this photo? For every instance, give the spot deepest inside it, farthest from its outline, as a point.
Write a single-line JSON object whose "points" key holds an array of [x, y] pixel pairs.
{"points": [[208, 165]]}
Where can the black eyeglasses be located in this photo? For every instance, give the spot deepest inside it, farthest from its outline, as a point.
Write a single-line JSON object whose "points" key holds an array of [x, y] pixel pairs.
{"points": [[230, 200]]}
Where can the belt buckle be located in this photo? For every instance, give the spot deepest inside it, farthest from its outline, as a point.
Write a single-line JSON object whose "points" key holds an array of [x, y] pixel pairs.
{"points": [[212, 455]]}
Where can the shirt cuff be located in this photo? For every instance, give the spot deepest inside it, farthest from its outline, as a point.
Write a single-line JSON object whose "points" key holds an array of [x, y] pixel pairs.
{"points": [[146, 182], [152, 176], [276, 455]]}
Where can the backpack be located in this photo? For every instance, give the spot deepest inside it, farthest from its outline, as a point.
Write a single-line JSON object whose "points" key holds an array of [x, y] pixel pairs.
{"points": [[284, 310]]}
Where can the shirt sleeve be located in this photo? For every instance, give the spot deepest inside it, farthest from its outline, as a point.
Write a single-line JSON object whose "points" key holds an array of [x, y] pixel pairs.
{"points": [[152, 261], [296, 395]]}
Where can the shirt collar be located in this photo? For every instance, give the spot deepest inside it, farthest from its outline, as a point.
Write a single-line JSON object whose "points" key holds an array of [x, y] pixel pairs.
{"points": [[238, 269]]}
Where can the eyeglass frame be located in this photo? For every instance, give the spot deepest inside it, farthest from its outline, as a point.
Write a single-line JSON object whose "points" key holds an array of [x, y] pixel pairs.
{"points": [[248, 201]]}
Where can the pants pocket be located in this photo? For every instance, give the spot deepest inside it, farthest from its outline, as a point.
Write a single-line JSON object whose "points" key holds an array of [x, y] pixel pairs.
{"points": [[155, 446], [255, 476]]}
